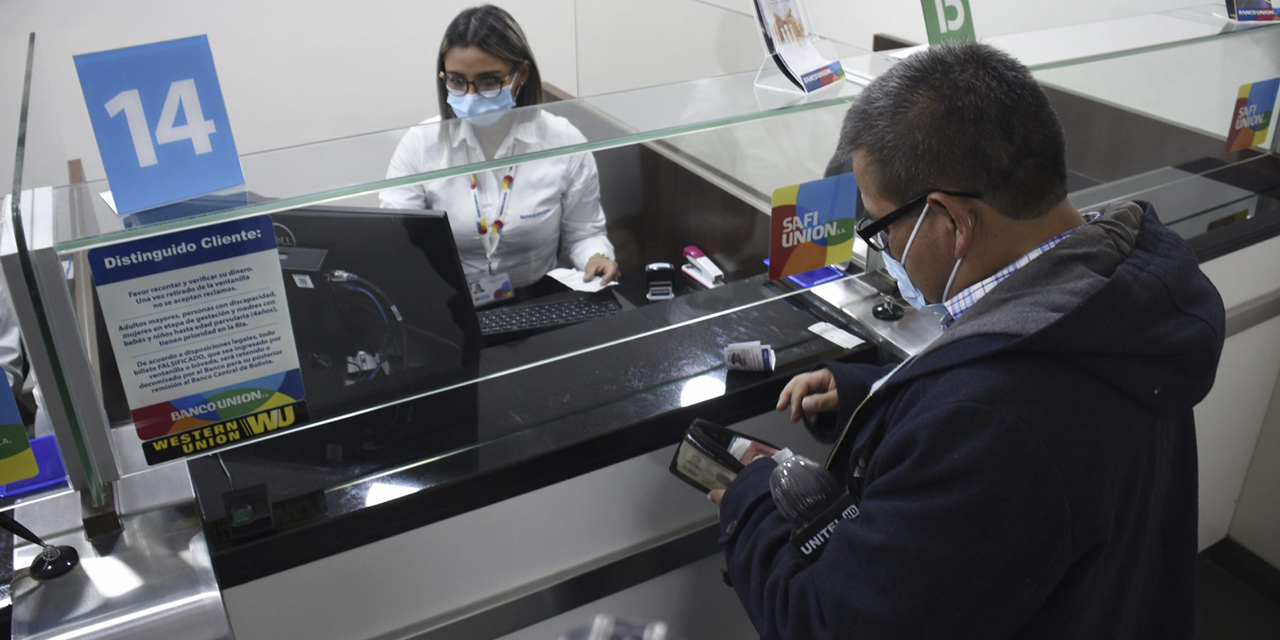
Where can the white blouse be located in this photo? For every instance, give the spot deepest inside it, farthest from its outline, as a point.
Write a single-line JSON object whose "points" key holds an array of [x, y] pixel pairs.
{"points": [[553, 204]]}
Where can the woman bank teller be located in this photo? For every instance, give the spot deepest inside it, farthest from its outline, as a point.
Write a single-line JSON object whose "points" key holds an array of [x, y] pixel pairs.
{"points": [[509, 223]]}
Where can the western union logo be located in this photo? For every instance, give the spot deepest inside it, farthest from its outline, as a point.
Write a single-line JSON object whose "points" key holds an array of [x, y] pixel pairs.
{"points": [[223, 434]]}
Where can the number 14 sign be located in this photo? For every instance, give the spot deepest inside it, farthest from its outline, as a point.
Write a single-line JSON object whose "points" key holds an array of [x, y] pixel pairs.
{"points": [[161, 127]]}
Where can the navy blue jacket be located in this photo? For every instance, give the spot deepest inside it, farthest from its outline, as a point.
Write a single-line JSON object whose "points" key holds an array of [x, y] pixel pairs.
{"points": [[1030, 474]]}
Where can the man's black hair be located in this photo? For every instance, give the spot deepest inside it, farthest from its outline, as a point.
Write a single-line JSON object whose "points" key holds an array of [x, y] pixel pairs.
{"points": [[962, 116]]}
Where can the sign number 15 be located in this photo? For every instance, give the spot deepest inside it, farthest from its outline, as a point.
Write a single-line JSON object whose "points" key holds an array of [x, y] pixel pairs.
{"points": [[182, 95], [948, 20]]}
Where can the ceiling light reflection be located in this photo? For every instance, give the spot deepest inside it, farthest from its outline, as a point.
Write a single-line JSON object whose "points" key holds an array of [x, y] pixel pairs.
{"points": [[380, 492], [109, 576], [701, 388]]}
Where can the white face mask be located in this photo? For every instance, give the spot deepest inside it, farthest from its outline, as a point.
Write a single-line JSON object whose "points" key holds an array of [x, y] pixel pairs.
{"points": [[899, 272], [481, 110]]}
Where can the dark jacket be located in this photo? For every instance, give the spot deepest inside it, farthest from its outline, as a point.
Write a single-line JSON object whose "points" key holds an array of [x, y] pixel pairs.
{"points": [[1030, 474]]}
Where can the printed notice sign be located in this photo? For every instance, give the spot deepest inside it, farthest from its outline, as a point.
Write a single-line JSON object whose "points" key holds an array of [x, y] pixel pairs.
{"points": [[812, 225], [1252, 115], [792, 46], [202, 336]]}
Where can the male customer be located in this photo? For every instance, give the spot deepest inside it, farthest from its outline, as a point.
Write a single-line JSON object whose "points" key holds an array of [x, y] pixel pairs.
{"points": [[1032, 473]]}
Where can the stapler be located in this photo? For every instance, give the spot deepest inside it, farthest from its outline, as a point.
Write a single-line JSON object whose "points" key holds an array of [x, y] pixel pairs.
{"points": [[701, 268]]}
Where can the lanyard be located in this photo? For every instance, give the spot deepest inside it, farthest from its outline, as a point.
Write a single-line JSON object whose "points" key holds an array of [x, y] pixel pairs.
{"points": [[490, 230]]}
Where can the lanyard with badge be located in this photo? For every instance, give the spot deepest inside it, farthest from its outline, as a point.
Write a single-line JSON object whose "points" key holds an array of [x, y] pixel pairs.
{"points": [[491, 286]]}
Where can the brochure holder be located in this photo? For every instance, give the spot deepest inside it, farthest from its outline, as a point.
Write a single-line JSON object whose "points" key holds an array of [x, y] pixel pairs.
{"points": [[771, 78], [796, 61]]}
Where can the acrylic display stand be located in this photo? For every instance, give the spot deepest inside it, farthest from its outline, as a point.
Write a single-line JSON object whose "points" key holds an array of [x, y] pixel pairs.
{"points": [[792, 50]]}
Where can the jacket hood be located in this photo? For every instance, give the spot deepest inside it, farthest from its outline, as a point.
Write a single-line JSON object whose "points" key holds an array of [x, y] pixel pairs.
{"points": [[1122, 299]]}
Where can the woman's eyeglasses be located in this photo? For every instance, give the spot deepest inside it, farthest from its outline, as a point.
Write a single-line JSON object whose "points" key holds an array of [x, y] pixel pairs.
{"points": [[871, 230], [487, 86]]}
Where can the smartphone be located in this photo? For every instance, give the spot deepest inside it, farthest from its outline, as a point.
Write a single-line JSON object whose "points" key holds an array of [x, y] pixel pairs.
{"points": [[710, 456]]}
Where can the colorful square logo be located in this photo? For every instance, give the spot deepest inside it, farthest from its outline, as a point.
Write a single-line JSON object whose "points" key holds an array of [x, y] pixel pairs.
{"points": [[812, 225], [1252, 115]]}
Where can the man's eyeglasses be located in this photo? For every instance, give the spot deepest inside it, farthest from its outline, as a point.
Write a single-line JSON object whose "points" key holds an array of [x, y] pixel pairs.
{"points": [[487, 86], [870, 230]]}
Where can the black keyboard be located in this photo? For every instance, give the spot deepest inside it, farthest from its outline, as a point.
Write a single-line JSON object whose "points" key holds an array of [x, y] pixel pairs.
{"points": [[538, 315]]}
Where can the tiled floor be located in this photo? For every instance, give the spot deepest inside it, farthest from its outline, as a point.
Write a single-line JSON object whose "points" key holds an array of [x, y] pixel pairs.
{"points": [[1229, 609]]}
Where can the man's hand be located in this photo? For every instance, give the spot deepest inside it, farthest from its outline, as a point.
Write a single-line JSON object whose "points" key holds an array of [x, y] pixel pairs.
{"points": [[717, 495], [813, 392], [601, 265]]}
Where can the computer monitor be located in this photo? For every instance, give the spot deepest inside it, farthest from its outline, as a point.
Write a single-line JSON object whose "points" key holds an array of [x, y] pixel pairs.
{"points": [[380, 312], [379, 303]]}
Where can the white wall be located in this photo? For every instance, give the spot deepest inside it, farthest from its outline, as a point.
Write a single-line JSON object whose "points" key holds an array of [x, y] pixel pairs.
{"points": [[1256, 524], [1230, 419], [292, 71], [629, 44]]}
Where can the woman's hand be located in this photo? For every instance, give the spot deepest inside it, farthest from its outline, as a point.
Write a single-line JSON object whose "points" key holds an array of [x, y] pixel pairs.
{"points": [[813, 392], [601, 265]]}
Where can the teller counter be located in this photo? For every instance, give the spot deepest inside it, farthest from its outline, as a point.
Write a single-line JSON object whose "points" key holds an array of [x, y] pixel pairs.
{"points": [[490, 492], [533, 479]]}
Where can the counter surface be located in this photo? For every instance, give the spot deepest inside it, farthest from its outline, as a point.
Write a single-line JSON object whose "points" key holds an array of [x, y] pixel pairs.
{"points": [[483, 442]]}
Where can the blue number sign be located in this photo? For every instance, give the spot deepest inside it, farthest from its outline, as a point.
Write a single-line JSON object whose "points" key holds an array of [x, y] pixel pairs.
{"points": [[161, 127]]}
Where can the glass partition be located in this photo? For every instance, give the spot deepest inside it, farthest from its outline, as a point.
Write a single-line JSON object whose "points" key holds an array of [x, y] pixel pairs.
{"points": [[1144, 136], [1059, 33], [1136, 34], [53, 425], [1144, 23], [677, 164], [356, 167]]}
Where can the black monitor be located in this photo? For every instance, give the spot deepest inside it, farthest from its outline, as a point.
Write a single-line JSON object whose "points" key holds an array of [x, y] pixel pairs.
{"points": [[380, 311], [379, 303]]}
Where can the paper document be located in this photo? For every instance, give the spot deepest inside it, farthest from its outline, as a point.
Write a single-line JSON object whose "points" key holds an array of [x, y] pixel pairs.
{"points": [[836, 335], [572, 278]]}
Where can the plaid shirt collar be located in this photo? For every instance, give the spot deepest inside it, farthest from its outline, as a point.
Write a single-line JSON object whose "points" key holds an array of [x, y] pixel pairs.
{"points": [[963, 301]]}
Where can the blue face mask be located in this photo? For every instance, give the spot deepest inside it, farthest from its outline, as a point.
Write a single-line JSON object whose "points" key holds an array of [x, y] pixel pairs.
{"points": [[905, 287], [908, 289], [481, 110]]}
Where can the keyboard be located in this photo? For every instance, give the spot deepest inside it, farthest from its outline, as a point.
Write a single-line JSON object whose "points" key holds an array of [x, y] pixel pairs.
{"points": [[536, 316]]}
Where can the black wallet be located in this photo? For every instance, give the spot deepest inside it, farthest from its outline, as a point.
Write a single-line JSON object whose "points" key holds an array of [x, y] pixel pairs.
{"points": [[710, 456]]}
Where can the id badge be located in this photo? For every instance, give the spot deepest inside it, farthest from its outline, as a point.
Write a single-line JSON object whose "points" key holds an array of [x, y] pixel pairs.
{"points": [[490, 289]]}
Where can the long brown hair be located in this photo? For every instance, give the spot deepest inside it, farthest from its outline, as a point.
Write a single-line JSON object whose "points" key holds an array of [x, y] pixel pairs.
{"points": [[494, 31]]}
